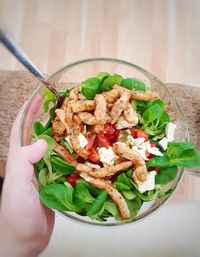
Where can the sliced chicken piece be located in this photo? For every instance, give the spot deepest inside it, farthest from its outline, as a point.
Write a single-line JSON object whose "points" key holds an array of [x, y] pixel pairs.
{"points": [[96, 128], [145, 96], [119, 106], [87, 118], [61, 115], [112, 95], [83, 105], [74, 94], [114, 195], [69, 114], [130, 115], [58, 128], [100, 112], [129, 154], [65, 103], [77, 120], [112, 191], [73, 138], [103, 172], [57, 138], [65, 154]]}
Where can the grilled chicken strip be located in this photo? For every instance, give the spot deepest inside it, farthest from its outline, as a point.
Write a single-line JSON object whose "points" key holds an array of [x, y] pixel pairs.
{"points": [[73, 138], [139, 163], [83, 105], [65, 154], [119, 106], [145, 96], [114, 195], [100, 112], [103, 172], [58, 128], [112, 191], [130, 115], [87, 118], [113, 94]]}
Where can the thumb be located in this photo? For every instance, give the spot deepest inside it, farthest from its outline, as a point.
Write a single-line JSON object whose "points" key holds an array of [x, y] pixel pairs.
{"points": [[19, 165], [33, 153]]}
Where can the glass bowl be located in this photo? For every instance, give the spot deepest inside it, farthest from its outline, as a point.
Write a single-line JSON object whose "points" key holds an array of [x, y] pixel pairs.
{"points": [[76, 72]]}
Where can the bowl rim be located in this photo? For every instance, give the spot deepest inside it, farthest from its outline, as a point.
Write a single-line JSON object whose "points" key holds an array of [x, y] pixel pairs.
{"points": [[173, 101]]}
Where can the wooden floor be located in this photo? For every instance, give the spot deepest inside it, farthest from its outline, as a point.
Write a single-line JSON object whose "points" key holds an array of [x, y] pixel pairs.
{"points": [[163, 36]]}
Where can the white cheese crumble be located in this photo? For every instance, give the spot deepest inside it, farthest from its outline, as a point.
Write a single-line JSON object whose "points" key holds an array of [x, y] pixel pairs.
{"points": [[163, 143], [82, 140], [106, 155], [155, 151], [148, 184], [169, 131], [140, 146], [92, 165]]}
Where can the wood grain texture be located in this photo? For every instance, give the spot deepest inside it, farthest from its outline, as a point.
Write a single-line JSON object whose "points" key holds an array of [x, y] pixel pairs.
{"points": [[163, 36]]}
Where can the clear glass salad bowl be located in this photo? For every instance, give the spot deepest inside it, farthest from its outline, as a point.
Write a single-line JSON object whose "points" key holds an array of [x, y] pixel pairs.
{"points": [[75, 73]]}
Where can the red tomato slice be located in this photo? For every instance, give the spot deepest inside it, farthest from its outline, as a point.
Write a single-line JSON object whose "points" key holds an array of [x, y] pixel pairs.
{"points": [[109, 130], [94, 156], [116, 136], [72, 179], [153, 169], [103, 140], [133, 132], [139, 133], [90, 142], [152, 144], [142, 133]]}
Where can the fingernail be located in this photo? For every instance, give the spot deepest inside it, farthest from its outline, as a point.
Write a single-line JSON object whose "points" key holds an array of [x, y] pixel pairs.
{"points": [[40, 143]]}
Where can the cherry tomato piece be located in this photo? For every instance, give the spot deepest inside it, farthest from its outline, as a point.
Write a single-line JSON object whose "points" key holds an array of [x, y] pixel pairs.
{"points": [[90, 142], [103, 140], [94, 156], [109, 130], [139, 133], [72, 179], [142, 133], [133, 132], [156, 169]]}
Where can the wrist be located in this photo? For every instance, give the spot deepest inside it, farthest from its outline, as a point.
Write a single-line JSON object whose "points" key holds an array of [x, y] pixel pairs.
{"points": [[11, 245]]}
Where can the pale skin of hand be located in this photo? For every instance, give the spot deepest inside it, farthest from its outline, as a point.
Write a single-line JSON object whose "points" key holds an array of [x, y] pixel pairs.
{"points": [[25, 224]]}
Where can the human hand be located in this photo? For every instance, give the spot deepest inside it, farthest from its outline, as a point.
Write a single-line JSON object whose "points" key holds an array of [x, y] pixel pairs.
{"points": [[26, 225]]}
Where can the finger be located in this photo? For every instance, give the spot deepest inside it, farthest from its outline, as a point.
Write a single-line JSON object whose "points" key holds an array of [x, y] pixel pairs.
{"points": [[19, 166], [33, 153], [34, 107]]}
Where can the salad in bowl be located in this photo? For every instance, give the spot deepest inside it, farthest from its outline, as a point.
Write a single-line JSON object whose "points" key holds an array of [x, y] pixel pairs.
{"points": [[111, 149]]}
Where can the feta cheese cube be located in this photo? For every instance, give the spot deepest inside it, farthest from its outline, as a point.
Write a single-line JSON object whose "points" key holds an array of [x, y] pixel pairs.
{"points": [[141, 151], [148, 184], [169, 131], [163, 143], [155, 151], [106, 155], [82, 140]]}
